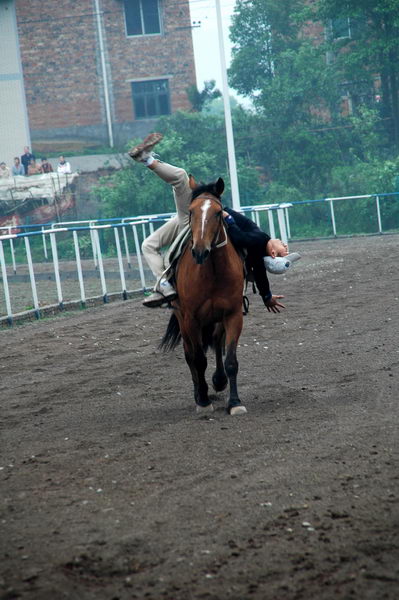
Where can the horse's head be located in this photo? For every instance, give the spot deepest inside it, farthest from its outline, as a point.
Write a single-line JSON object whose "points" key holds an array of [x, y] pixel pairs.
{"points": [[206, 217]]}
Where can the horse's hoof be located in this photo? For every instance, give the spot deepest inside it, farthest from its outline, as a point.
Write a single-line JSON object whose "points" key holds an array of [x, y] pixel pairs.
{"points": [[204, 410], [237, 410], [219, 384]]}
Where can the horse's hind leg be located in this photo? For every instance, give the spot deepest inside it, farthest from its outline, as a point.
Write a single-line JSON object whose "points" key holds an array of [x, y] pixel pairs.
{"points": [[219, 377], [233, 330]]}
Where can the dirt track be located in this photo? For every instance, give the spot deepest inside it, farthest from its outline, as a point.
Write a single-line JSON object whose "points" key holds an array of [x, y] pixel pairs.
{"points": [[111, 488]]}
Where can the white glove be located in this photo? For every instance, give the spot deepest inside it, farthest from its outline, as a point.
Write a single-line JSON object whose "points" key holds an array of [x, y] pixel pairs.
{"points": [[280, 264]]}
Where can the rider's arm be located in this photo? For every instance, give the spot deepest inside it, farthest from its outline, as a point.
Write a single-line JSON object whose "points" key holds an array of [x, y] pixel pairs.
{"points": [[244, 233]]}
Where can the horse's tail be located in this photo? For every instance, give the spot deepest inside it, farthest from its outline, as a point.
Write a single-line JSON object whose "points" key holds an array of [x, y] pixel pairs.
{"points": [[172, 335]]}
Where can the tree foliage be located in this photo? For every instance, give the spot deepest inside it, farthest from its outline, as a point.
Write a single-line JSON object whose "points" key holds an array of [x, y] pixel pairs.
{"points": [[293, 59]]}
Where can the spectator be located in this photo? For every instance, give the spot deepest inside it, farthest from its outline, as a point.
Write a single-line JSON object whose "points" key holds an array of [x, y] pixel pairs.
{"points": [[46, 166], [26, 158], [4, 171], [63, 166], [17, 168], [33, 168]]}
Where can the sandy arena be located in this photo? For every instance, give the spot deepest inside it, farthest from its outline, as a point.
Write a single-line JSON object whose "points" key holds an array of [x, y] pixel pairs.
{"points": [[112, 488]]}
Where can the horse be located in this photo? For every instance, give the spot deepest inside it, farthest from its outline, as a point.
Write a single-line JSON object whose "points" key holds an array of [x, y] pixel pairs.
{"points": [[209, 279]]}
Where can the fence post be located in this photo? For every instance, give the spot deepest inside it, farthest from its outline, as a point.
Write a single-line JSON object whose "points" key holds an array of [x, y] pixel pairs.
{"points": [[100, 265], [281, 223], [287, 222], [129, 264], [14, 266], [272, 231], [79, 269], [5, 284], [138, 254], [44, 244], [32, 278], [377, 201], [121, 271], [56, 269], [93, 242], [332, 217]]}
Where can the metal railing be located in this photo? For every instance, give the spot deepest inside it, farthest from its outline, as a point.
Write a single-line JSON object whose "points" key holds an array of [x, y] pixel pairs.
{"points": [[125, 256]]}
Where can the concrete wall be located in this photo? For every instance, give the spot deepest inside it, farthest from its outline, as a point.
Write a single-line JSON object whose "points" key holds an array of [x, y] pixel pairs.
{"points": [[14, 131]]}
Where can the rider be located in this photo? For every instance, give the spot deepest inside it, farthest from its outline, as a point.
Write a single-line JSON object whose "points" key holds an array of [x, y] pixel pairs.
{"points": [[243, 232]]}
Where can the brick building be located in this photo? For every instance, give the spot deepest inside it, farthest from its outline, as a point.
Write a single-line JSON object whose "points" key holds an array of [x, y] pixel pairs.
{"points": [[99, 70]]}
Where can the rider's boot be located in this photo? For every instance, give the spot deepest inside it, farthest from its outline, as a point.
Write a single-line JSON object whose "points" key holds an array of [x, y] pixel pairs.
{"points": [[164, 292]]}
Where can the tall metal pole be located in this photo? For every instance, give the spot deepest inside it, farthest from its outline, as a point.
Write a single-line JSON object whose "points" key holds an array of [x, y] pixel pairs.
{"points": [[104, 74], [227, 115]]}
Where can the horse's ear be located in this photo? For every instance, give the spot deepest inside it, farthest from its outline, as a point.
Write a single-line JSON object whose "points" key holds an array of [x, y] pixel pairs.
{"points": [[220, 186], [191, 181]]}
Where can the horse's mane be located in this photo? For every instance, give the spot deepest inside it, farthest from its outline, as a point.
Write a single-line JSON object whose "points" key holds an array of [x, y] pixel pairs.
{"points": [[206, 188]]}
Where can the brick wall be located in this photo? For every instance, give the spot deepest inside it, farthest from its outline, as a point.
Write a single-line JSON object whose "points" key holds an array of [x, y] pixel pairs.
{"points": [[62, 68]]}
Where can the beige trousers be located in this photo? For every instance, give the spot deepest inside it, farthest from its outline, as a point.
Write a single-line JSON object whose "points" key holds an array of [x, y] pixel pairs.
{"points": [[165, 235]]}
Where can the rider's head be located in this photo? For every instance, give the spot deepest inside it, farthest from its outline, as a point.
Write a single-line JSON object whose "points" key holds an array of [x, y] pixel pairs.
{"points": [[276, 248]]}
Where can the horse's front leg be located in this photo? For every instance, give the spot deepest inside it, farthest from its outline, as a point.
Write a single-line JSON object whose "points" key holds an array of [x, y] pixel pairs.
{"points": [[219, 377], [233, 327], [197, 362]]}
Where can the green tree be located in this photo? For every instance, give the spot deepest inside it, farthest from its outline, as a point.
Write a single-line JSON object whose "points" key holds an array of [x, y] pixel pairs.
{"points": [[364, 39], [199, 100], [134, 190]]}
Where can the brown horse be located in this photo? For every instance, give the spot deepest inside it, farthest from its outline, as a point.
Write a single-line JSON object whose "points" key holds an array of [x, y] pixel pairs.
{"points": [[208, 311]]}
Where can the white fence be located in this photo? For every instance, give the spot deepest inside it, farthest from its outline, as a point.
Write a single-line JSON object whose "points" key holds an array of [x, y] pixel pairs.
{"points": [[112, 264]]}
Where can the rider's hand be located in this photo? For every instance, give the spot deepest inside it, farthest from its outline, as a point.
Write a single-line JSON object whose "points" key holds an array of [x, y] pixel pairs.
{"points": [[273, 305]]}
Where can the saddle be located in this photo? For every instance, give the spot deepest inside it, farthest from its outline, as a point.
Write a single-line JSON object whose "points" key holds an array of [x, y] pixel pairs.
{"points": [[175, 251]]}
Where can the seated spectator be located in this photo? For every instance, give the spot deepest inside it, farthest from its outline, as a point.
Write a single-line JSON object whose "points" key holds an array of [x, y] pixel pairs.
{"points": [[33, 168], [46, 166], [26, 158], [63, 166], [17, 168], [4, 171]]}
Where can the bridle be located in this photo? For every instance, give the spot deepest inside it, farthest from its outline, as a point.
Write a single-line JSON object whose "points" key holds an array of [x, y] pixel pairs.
{"points": [[214, 243]]}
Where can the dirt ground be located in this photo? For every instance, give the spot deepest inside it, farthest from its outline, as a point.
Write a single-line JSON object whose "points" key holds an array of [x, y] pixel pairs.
{"points": [[112, 487]]}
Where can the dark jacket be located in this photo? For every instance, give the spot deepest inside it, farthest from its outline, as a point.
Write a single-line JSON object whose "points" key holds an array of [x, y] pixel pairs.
{"points": [[25, 160], [245, 234]]}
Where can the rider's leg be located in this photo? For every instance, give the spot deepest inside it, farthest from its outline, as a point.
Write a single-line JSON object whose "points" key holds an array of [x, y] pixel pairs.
{"points": [[178, 179], [151, 248]]}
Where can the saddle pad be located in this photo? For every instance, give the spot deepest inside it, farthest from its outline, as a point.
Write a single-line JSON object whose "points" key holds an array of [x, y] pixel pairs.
{"points": [[177, 246]]}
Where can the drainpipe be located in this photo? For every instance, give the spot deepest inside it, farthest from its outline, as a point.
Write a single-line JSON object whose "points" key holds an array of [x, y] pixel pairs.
{"points": [[104, 73]]}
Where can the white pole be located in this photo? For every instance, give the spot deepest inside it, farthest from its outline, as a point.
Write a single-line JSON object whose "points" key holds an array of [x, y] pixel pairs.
{"points": [[332, 217], [32, 278], [138, 254], [100, 265], [44, 244], [270, 217], [281, 224], [14, 266], [56, 269], [104, 73], [377, 201], [120, 262], [227, 114], [129, 264], [5, 284], [79, 268]]}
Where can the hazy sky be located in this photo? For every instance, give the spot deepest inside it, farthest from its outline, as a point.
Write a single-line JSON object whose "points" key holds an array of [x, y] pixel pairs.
{"points": [[205, 38]]}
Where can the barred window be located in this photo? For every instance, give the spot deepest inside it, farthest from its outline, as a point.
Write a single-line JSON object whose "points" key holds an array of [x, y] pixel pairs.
{"points": [[142, 17], [151, 98]]}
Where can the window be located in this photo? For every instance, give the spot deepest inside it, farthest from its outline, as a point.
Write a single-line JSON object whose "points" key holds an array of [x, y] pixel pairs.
{"points": [[142, 17], [347, 27], [340, 28], [151, 98]]}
